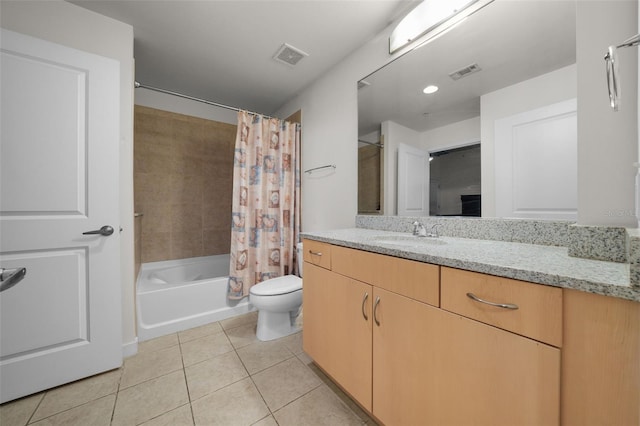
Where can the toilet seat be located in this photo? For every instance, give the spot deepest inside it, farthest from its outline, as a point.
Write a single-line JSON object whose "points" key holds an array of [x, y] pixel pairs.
{"points": [[277, 286]]}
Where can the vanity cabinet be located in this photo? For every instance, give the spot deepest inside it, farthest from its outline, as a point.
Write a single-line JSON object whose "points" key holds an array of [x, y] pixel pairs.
{"points": [[375, 325], [337, 328]]}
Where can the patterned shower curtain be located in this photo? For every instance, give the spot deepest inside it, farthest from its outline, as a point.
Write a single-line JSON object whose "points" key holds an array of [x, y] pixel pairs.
{"points": [[266, 201]]}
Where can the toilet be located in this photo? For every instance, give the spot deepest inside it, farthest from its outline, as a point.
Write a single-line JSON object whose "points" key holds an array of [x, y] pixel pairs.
{"points": [[278, 301]]}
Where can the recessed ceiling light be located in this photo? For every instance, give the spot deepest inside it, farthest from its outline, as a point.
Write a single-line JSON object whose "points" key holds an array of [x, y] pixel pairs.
{"points": [[430, 89]]}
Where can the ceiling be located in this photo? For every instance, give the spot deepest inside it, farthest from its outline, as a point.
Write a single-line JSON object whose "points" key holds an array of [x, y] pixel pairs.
{"points": [[511, 41], [223, 50]]}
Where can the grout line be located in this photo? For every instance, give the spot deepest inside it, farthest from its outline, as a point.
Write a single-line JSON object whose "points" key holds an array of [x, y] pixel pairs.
{"points": [[36, 409], [186, 381], [115, 403]]}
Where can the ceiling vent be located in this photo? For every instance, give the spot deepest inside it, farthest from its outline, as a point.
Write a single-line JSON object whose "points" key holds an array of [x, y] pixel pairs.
{"points": [[363, 83], [289, 55], [463, 72]]}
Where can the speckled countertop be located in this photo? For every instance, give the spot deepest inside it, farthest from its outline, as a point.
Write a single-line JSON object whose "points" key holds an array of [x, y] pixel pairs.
{"points": [[540, 264]]}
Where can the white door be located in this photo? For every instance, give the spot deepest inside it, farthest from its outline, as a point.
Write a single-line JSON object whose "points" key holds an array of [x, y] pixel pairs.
{"points": [[536, 163], [59, 170], [413, 181]]}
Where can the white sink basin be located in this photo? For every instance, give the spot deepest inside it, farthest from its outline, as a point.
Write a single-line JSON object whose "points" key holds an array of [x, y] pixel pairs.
{"points": [[408, 240]]}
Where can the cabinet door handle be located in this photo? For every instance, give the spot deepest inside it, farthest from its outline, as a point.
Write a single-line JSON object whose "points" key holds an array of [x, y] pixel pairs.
{"points": [[315, 253], [497, 305], [364, 300], [375, 311]]}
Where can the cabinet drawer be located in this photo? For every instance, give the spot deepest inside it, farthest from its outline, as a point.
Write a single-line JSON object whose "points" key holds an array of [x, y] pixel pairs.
{"points": [[317, 252], [416, 280], [539, 308]]}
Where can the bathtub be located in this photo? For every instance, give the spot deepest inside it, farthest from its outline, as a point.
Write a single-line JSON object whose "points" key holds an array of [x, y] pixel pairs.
{"points": [[176, 295]]}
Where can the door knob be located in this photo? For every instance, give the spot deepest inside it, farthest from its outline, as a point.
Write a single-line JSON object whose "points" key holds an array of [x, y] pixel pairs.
{"points": [[105, 231], [11, 277]]}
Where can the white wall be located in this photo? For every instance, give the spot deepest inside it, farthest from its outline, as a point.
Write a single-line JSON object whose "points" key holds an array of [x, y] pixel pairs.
{"points": [[537, 92], [453, 135], [394, 134], [178, 105], [329, 111], [329, 136], [73, 26], [607, 140]]}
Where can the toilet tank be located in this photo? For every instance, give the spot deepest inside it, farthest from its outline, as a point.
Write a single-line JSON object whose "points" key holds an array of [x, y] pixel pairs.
{"points": [[299, 258]]}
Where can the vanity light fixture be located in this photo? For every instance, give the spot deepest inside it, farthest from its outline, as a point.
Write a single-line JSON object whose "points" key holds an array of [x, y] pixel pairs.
{"points": [[430, 89], [431, 16]]}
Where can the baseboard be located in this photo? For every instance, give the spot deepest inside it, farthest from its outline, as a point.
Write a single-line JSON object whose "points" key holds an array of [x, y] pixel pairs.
{"points": [[130, 349]]}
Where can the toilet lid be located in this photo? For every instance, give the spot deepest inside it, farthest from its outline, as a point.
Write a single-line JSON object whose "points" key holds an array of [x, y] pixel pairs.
{"points": [[279, 285]]}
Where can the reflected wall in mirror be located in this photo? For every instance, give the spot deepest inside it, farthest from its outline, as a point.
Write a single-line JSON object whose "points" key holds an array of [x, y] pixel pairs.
{"points": [[511, 59]]}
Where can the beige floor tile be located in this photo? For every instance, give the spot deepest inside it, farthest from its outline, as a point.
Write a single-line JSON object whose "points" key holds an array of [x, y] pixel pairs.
{"points": [[267, 421], [209, 376], [260, 355], [242, 336], [293, 342], [250, 318], [198, 350], [197, 332], [94, 413], [306, 359], [158, 343], [181, 416], [238, 404], [77, 393], [149, 365], [346, 399], [285, 382], [319, 407], [150, 399], [19, 412]]}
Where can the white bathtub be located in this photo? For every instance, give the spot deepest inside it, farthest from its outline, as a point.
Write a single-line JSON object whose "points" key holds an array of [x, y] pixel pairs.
{"points": [[179, 294]]}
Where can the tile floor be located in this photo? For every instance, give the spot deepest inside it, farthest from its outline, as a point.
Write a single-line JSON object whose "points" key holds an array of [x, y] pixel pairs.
{"points": [[217, 374]]}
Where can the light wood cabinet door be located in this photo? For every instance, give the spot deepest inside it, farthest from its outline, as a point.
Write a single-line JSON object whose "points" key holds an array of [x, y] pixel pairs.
{"points": [[405, 334], [435, 367], [337, 329], [600, 360]]}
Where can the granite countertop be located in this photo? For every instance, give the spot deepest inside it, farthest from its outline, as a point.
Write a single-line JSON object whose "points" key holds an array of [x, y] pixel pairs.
{"points": [[540, 264]]}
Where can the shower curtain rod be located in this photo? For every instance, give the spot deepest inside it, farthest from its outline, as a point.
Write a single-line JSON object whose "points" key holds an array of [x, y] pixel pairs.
{"points": [[204, 101]]}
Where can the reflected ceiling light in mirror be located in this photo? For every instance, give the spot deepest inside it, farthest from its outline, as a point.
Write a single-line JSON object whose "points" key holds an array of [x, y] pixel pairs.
{"points": [[431, 16], [430, 89]]}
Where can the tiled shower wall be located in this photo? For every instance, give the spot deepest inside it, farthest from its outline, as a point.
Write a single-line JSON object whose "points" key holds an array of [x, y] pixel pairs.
{"points": [[183, 174]]}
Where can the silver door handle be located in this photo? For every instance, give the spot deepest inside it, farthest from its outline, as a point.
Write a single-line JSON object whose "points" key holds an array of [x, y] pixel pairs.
{"points": [[364, 300], [375, 311], [11, 277], [497, 305], [104, 231]]}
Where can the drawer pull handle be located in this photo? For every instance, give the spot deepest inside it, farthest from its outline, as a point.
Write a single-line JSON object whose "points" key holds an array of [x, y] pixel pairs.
{"points": [[364, 300], [315, 253], [375, 311], [497, 305]]}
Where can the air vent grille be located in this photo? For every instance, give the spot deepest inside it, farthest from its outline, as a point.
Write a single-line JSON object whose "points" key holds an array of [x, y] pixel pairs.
{"points": [[289, 55], [463, 72]]}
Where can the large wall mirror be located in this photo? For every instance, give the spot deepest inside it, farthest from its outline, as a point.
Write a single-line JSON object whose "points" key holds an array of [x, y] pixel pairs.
{"points": [[498, 137]]}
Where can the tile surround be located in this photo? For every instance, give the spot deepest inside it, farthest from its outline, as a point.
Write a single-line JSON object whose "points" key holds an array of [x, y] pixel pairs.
{"points": [[218, 389], [182, 184]]}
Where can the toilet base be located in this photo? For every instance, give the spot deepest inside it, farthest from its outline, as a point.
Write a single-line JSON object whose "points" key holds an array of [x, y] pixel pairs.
{"points": [[273, 325]]}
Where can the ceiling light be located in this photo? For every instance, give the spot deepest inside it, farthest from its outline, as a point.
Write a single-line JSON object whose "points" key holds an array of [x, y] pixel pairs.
{"points": [[431, 15], [430, 89]]}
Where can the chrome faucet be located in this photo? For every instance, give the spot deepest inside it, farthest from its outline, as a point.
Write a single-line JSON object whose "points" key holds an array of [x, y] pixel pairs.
{"points": [[419, 230], [434, 231]]}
